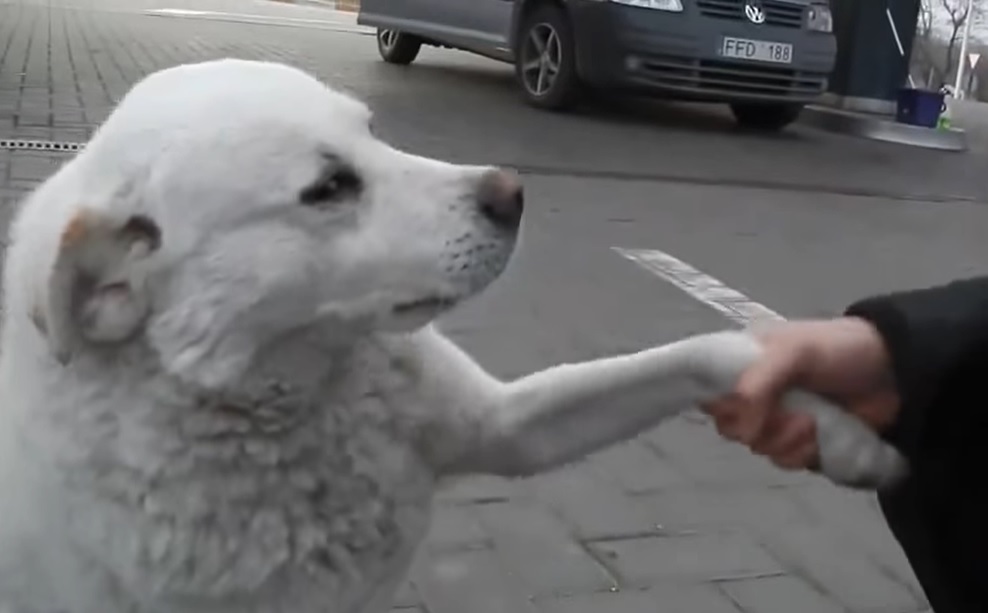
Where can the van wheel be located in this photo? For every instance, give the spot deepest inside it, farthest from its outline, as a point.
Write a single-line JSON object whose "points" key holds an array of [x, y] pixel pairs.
{"points": [[545, 59], [397, 47], [765, 117]]}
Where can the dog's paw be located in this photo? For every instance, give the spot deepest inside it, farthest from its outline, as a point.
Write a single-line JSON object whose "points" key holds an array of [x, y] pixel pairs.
{"points": [[851, 453]]}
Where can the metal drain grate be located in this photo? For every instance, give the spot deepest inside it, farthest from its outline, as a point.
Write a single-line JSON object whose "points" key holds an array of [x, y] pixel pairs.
{"points": [[20, 144]]}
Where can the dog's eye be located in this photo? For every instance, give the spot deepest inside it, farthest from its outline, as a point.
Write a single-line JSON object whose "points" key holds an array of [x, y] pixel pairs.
{"points": [[337, 184]]}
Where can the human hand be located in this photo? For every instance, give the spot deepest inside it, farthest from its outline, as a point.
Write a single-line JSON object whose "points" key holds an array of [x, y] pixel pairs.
{"points": [[843, 359]]}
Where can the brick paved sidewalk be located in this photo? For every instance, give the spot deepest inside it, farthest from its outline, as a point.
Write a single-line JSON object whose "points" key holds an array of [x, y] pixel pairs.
{"points": [[675, 522]]}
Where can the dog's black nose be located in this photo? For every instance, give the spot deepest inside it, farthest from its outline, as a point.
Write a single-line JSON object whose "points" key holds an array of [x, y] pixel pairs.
{"points": [[501, 199]]}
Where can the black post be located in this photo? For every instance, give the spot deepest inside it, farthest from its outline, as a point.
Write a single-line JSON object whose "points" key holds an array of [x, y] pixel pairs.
{"points": [[869, 70]]}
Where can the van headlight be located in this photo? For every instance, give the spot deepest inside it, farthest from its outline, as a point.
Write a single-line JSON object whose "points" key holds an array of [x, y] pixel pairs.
{"points": [[819, 18], [672, 6]]}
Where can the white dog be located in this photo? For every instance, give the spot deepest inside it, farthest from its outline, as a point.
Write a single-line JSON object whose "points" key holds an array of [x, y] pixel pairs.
{"points": [[220, 391]]}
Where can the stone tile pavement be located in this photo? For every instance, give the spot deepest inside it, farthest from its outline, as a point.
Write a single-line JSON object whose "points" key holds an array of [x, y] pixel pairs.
{"points": [[676, 522]]}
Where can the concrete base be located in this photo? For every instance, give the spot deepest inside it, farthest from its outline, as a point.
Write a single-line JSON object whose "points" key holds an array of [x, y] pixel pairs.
{"points": [[859, 105], [883, 128]]}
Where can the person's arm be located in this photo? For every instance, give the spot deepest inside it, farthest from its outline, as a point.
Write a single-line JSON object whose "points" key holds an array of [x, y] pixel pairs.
{"points": [[929, 334]]}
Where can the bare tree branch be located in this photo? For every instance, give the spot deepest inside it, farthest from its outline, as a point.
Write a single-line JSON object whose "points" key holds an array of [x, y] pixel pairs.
{"points": [[956, 11], [924, 24]]}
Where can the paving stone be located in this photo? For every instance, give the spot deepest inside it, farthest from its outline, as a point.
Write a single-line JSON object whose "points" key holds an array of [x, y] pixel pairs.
{"points": [[21, 186], [481, 489], [638, 469], [838, 569], [474, 581], [778, 595], [593, 506], [407, 597], [704, 508], [855, 518], [541, 551], [698, 451], [701, 557], [661, 599], [32, 169], [456, 527]]}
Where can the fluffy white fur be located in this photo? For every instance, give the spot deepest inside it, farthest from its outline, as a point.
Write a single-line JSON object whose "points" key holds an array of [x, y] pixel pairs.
{"points": [[219, 388]]}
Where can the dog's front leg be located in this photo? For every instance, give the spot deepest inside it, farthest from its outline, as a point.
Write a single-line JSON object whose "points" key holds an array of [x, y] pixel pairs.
{"points": [[564, 413]]}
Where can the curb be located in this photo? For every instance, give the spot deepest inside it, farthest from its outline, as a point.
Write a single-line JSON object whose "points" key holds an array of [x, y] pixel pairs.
{"points": [[875, 128]]}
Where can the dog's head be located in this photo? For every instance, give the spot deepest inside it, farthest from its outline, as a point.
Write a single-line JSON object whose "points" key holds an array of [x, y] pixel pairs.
{"points": [[225, 203]]}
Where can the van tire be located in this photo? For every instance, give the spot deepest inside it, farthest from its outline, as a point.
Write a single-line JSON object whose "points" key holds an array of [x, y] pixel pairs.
{"points": [[397, 47], [773, 117], [548, 80]]}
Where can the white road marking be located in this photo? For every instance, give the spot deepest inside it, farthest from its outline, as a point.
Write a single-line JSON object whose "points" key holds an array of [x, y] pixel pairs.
{"points": [[731, 303], [278, 20]]}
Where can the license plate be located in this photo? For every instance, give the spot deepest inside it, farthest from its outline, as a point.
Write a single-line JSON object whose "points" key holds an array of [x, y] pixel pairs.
{"points": [[756, 50]]}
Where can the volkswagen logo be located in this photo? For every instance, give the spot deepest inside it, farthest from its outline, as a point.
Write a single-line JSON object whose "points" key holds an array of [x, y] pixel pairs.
{"points": [[754, 12]]}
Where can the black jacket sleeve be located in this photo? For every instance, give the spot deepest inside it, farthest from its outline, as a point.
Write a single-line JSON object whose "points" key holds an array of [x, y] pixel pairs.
{"points": [[932, 335]]}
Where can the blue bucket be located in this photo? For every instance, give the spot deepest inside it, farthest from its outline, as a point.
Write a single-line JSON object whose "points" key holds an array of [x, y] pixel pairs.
{"points": [[919, 107]]}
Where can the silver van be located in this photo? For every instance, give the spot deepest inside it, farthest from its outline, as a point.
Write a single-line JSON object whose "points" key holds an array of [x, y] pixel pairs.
{"points": [[766, 58]]}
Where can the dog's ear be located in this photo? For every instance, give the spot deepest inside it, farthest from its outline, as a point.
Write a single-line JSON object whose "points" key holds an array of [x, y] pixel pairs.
{"points": [[95, 289]]}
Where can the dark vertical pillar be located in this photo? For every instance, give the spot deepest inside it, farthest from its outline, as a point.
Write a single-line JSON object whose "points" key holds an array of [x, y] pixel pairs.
{"points": [[868, 70]]}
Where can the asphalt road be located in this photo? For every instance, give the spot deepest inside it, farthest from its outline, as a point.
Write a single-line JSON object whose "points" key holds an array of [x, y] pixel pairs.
{"points": [[802, 223]]}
